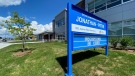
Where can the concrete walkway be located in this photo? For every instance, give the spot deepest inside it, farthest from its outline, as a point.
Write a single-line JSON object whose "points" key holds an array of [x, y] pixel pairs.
{"points": [[5, 44]]}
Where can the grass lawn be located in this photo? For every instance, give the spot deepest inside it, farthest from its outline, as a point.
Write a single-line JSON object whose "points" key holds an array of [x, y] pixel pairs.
{"points": [[49, 59]]}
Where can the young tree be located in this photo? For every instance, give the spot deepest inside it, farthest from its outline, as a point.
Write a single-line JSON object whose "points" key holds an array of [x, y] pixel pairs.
{"points": [[18, 27]]}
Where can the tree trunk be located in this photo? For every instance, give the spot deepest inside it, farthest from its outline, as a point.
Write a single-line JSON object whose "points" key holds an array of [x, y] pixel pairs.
{"points": [[23, 46]]}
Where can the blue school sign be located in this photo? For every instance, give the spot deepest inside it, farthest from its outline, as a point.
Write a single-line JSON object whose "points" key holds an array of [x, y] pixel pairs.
{"points": [[85, 31]]}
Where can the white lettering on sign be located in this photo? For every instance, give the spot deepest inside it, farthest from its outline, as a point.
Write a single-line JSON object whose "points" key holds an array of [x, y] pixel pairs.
{"points": [[90, 40], [85, 21], [85, 29], [90, 21], [100, 25]]}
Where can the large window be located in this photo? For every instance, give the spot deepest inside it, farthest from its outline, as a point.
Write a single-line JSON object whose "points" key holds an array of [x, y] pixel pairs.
{"points": [[111, 3], [61, 22], [129, 27], [91, 7], [100, 5], [61, 37], [126, 0], [115, 28]]}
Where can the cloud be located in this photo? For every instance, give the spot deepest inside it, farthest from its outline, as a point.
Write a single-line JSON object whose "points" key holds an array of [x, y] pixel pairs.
{"points": [[26, 19], [48, 27], [9, 13], [3, 31], [33, 17], [41, 28], [11, 2], [3, 19]]}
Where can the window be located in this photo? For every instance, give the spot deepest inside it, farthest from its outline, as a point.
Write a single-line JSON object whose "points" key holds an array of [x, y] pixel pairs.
{"points": [[61, 37], [91, 7], [129, 22], [129, 27], [115, 28], [61, 22], [129, 30], [100, 5], [56, 36], [126, 0], [56, 25], [111, 3]]}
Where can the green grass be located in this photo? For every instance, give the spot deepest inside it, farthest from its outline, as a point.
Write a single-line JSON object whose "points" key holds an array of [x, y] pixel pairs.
{"points": [[49, 59]]}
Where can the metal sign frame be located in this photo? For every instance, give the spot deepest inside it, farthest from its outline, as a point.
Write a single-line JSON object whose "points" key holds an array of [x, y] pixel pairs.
{"points": [[72, 26]]}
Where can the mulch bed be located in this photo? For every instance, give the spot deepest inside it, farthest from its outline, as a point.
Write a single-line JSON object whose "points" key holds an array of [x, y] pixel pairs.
{"points": [[20, 53]]}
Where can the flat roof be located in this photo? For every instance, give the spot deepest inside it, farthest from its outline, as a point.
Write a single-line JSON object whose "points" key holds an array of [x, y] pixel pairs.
{"points": [[61, 12]]}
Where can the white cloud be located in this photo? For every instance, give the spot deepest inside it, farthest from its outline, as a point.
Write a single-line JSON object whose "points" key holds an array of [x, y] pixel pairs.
{"points": [[48, 27], [11, 2], [3, 31], [3, 19], [33, 17], [26, 19], [41, 28]]}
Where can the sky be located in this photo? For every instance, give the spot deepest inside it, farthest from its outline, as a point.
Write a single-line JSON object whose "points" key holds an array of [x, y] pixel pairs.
{"points": [[39, 13]]}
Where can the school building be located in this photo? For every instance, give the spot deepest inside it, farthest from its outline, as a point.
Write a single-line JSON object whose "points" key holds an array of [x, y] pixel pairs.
{"points": [[120, 15]]}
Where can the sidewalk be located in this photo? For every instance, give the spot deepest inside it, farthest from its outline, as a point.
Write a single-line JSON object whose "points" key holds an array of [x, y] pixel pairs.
{"points": [[5, 44]]}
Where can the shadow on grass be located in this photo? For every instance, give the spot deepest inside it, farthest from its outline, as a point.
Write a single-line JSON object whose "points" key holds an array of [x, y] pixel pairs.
{"points": [[77, 57]]}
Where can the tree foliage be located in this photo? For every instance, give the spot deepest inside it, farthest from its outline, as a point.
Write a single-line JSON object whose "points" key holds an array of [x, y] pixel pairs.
{"points": [[18, 27]]}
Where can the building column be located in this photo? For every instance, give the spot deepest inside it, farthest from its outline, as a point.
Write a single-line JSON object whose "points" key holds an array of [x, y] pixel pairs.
{"points": [[43, 38], [48, 36], [122, 27]]}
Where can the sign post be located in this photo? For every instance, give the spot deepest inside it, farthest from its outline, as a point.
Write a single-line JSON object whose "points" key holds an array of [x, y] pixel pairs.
{"points": [[84, 31]]}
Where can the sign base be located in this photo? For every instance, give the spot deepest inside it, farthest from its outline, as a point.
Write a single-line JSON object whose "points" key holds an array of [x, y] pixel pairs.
{"points": [[69, 75]]}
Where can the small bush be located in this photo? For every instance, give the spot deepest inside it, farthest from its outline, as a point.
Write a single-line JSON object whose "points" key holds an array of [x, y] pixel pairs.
{"points": [[64, 41], [126, 41], [55, 40], [114, 41], [109, 47]]}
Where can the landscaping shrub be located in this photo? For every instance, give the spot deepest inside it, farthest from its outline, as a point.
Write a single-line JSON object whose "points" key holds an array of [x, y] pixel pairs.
{"points": [[114, 41], [64, 41], [126, 41]]}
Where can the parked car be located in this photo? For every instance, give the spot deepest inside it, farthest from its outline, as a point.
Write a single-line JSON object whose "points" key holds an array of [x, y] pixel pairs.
{"points": [[0, 40], [4, 40]]}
